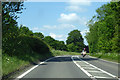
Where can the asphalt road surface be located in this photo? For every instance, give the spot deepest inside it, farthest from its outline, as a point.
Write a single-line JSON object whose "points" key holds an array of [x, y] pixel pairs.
{"points": [[73, 68]]}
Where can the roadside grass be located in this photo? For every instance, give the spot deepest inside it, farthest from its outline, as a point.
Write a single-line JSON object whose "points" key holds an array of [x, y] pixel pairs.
{"points": [[60, 53], [24, 51], [11, 64], [107, 56], [15, 62]]}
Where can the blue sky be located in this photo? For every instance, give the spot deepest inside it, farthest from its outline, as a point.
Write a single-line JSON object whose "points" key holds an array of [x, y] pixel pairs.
{"points": [[57, 19]]}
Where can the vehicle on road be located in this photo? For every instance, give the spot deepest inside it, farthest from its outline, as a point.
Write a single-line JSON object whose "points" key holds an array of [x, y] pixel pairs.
{"points": [[83, 53]]}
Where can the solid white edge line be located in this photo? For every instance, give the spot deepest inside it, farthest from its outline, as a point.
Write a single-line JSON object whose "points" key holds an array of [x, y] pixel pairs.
{"points": [[27, 72], [100, 69], [22, 75], [82, 68]]}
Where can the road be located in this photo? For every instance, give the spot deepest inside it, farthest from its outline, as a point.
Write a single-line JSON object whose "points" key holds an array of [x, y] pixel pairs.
{"points": [[73, 68]]}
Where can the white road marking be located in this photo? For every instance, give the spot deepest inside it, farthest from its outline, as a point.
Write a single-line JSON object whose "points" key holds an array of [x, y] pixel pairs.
{"points": [[94, 71], [88, 68], [102, 77], [94, 67], [82, 68], [99, 69], [22, 75], [27, 72]]}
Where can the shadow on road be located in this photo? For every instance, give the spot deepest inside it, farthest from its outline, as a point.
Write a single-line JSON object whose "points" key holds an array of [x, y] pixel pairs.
{"points": [[89, 59], [68, 59]]}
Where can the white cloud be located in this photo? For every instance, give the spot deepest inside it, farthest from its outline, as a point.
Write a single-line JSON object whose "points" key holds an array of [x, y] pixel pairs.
{"points": [[68, 17], [35, 28], [53, 35], [84, 31], [50, 27], [58, 37], [80, 2], [75, 8], [72, 18], [58, 27], [77, 5]]}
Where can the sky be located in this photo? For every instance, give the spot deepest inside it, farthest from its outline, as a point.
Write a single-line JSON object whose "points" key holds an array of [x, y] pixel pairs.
{"points": [[57, 19]]}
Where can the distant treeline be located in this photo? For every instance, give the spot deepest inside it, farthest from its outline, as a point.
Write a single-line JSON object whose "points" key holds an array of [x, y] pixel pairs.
{"points": [[104, 35]]}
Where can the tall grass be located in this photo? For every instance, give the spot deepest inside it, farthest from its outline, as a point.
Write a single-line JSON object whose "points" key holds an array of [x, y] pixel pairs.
{"points": [[25, 50], [11, 64], [60, 53], [22, 51], [108, 56]]}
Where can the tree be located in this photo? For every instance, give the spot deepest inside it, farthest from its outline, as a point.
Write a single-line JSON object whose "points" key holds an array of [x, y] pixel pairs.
{"points": [[25, 31], [10, 28], [60, 45], [75, 39], [104, 29], [56, 44], [39, 34], [71, 47], [9, 17], [50, 41]]}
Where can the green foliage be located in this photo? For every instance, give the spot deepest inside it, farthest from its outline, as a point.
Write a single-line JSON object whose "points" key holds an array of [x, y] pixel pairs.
{"points": [[38, 34], [25, 31], [74, 36], [23, 50], [60, 53], [105, 29], [25, 43], [11, 8], [60, 45], [75, 41], [18, 43], [57, 45], [9, 25], [17, 62], [50, 41], [9, 16], [71, 47], [108, 56]]}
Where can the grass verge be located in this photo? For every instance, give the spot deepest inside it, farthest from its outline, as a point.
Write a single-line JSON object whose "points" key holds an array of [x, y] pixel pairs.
{"points": [[60, 53], [12, 64], [107, 56], [22, 51]]}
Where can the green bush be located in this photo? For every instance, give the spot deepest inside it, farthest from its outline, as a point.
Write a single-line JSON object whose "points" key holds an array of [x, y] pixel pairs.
{"points": [[25, 44], [22, 51]]}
